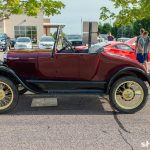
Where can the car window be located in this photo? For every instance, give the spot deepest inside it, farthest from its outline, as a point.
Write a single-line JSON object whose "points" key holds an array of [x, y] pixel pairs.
{"points": [[23, 40], [123, 47], [73, 37], [47, 39]]}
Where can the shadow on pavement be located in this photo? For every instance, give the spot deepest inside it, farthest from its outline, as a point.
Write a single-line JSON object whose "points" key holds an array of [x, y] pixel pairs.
{"points": [[67, 105]]}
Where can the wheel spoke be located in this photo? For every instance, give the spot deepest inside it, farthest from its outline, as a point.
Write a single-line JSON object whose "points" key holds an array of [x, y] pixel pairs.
{"points": [[6, 95], [129, 95], [1, 86]]}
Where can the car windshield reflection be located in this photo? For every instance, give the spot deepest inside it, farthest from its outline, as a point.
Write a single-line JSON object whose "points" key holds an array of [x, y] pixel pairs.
{"points": [[99, 47]]}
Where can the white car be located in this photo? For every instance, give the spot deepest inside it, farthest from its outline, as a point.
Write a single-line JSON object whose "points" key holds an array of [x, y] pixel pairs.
{"points": [[46, 42], [23, 43]]}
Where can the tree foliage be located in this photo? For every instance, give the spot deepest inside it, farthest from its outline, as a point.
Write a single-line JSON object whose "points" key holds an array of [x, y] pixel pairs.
{"points": [[125, 31], [145, 23], [106, 28], [29, 7], [128, 11], [117, 31]]}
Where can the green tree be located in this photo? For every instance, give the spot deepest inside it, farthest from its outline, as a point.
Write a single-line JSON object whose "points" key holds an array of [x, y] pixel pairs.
{"points": [[106, 28], [125, 31], [128, 11], [145, 23], [29, 7], [114, 31], [100, 28]]}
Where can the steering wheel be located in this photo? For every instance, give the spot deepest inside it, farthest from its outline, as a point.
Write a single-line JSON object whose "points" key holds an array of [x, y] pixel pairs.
{"points": [[68, 46]]}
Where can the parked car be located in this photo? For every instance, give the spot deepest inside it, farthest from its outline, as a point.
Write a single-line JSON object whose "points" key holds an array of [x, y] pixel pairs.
{"points": [[74, 39], [131, 42], [118, 48], [23, 43], [65, 71], [114, 47], [123, 39], [4, 42], [46, 42]]}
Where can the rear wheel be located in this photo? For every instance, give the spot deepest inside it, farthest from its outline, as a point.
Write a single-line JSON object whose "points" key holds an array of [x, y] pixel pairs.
{"points": [[8, 95], [128, 94]]}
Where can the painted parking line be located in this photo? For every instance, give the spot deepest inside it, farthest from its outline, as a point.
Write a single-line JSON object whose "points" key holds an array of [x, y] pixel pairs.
{"points": [[44, 102]]}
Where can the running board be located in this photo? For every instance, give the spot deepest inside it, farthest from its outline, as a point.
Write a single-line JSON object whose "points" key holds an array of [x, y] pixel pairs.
{"points": [[90, 92]]}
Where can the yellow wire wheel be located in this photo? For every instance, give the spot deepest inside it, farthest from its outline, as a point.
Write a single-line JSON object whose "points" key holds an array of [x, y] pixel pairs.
{"points": [[128, 94], [8, 95]]}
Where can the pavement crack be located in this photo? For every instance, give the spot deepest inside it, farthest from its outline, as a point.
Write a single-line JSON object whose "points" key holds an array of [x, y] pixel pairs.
{"points": [[116, 118], [119, 122], [126, 141]]}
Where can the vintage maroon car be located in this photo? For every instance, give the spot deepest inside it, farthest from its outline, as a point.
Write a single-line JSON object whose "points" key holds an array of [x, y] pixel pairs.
{"points": [[68, 71]]}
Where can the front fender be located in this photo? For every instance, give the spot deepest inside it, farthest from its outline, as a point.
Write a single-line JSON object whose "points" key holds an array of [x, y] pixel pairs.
{"points": [[128, 71], [9, 73]]}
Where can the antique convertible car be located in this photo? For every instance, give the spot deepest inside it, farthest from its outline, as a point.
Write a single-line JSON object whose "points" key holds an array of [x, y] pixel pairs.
{"points": [[68, 71]]}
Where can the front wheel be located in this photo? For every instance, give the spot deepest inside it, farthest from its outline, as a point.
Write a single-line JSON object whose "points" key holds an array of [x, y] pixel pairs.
{"points": [[8, 95], [128, 94]]}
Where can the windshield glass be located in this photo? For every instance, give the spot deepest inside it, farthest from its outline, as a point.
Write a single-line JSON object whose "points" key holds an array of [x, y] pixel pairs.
{"points": [[47, 39], [98, 47], [70, 37], [23, 40]]}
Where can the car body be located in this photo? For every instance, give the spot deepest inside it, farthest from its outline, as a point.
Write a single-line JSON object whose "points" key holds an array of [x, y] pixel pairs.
{"points": [[74, 39], [68, 71], [23, 43], [4, 42], [123, 39], [46, 42], [121, 48], [131, 42]]}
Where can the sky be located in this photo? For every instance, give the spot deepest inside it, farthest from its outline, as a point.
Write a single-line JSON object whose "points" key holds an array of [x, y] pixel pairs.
{"points": [[77, 10]]}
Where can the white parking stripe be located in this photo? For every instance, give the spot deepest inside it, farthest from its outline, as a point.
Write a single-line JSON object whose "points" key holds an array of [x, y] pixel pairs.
{"points": [[44, 102]]}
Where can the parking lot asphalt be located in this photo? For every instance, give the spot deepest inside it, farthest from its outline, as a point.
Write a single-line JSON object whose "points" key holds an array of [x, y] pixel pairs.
{"points": [[77, 123]]}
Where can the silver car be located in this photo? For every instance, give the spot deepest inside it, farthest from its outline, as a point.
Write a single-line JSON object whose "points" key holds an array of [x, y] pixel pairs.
{"points": [[23, 43], [46, 42]]}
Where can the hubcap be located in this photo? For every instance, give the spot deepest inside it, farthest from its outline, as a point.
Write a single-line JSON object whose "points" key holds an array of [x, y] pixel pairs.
{"points": [[129, 95], [6, 95]]}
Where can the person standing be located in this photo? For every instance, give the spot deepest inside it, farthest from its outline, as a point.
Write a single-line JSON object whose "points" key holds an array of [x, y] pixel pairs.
{"points": [[143, 49], [110, 37], [142, 30]]}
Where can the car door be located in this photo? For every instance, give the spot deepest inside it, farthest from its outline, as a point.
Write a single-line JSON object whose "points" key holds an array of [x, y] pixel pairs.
{"points": [[88, 65], [62, 66], [67, 66], [46, 65]]}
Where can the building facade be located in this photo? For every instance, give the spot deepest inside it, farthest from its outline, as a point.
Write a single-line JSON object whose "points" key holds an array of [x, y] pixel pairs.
{"points": [[25, 26]]}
